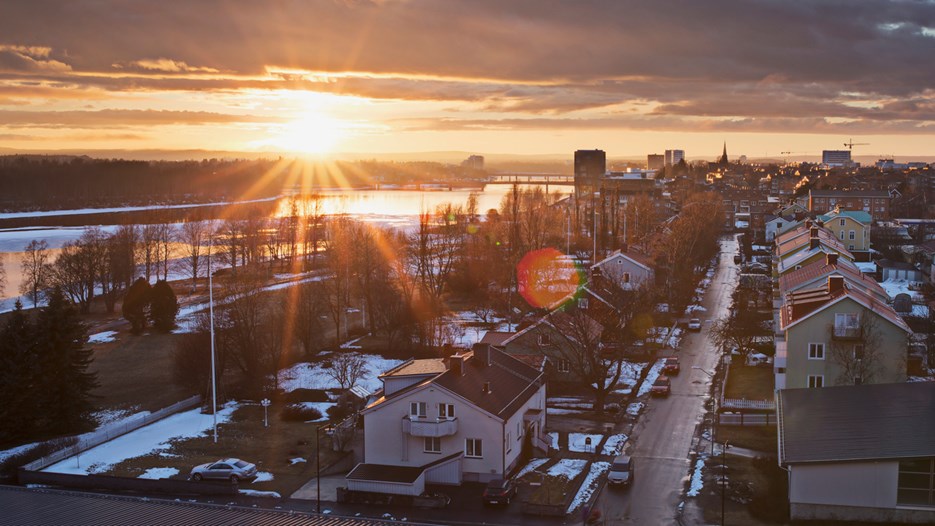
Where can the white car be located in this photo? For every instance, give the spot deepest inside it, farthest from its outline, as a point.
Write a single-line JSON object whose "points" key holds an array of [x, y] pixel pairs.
{"points": [[694, 324]]}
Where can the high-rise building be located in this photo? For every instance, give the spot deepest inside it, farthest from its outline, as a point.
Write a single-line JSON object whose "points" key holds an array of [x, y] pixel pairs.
{"points": [[655, 161], [836, 158], [474, 162], [674, 156], [590, 166]]}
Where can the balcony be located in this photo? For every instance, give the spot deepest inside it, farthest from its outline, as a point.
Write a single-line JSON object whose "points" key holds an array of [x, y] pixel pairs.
{"points": [[430, 427], [839, 332]]}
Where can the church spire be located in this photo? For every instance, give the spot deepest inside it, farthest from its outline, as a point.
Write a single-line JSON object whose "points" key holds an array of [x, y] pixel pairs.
{"points": [[723, 160]]}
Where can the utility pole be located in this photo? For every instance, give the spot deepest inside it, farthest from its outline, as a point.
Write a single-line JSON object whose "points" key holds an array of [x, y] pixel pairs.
{"points": [[214, 389]]}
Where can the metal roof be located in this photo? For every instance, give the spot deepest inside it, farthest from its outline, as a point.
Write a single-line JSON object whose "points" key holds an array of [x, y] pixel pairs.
{"points": [[28, 507], [857, 422]]}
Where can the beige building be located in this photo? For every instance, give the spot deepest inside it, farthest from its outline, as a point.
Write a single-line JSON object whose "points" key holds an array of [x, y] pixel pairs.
{"points": [[850, 227], [444, 421], [839, 334], [859, 453]]}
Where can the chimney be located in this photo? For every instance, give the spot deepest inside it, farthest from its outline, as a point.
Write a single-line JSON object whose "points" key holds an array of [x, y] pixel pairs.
{"points": [[813, 231], [808, 223], [624, 248], [482, 353], [813, 243], [832, 258], [458, 362], [486, 387], [835, 284]]}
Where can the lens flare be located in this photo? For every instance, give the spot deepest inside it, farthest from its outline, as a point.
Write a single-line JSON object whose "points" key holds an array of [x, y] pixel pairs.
{"points": [[546, 276]]}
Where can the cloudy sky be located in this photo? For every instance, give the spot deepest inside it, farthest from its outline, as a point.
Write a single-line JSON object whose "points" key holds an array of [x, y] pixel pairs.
{"points": [[497, 76]]}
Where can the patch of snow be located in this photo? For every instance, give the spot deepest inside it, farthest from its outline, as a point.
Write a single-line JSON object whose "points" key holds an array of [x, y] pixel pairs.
{"points": [[560, 411], [651, 377], [920, 311], [533, 465], [902, 286], [322, 408], [553, 435], [103, 337], [106, 417], [12, 452], [629, 376], [635, 408], [255, 493], [697, 483], [571, 405], [867, 267], [159, 473], [153, 438], [568, 468], [614, 444], [263, 476], [694, 308], [352, 344], [313, 376], [597, 470], [576, 442], [297, 460]]}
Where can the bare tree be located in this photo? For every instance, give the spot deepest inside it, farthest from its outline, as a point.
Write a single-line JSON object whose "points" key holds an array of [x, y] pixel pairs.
{"points": [[36, 271], [193, 235], [857, 350], [347, 369], [149, 250]]}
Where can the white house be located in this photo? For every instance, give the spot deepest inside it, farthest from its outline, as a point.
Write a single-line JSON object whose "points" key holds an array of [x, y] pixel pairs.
{"points": [[629, 270], [859, 453], [444, 421]]}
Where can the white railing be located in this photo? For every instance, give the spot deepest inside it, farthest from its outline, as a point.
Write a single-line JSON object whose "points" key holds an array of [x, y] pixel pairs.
{"points": [[742, 403], [430, 427]]}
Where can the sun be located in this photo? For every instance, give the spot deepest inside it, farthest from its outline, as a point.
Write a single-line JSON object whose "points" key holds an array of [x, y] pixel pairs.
{"points": [[313, 132]]}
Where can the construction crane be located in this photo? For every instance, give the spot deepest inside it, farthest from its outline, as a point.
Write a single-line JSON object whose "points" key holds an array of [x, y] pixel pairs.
{"points": [[850, 144], [784, 154]]}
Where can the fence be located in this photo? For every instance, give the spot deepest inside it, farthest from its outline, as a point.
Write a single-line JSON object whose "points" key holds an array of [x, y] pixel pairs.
{"points": [[110, 432], [742, 403], [746, 419], [106, 482]]}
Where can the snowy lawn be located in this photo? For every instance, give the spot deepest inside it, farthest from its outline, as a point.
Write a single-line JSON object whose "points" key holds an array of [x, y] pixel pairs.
{"points": [[297, 460], [560, 411], [159, 473], [12, 452], [614, 444], [145, 440], [651, 377], [568, 468], [103, 337], [533, 465], [322, 408], [314, 376], [597, 470], [263, 476], [901, 286], [577, 442], [629, 376], [697, 483], [553, 436], [635, 408]]}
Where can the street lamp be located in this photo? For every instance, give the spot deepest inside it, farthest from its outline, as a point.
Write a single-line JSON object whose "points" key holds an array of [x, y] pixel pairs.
{"points": [[723, 478], [214, 389], [265, 403], [318, 466]]}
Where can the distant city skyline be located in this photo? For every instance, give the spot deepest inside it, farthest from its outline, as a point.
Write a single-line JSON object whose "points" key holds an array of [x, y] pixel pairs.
{"points": [[524, 77]]}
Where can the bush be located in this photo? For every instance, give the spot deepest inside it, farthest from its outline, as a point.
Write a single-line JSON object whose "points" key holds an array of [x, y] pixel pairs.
{"points": [[339, 412], [9, 466], [299, 413]]}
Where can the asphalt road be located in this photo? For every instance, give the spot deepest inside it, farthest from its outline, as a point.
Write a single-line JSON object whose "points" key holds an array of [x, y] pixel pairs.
{"points": [[663, 436]]}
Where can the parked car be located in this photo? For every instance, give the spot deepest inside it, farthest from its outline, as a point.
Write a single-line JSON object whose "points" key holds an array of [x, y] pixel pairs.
{"points": [[232, 469], [672, 365], [737, 259], [694, 324], [621, 471], [499, 491], [661, 387]]}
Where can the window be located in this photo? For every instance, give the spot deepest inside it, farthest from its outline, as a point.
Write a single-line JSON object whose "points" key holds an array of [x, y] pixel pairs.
{"points": [[563, 365], [816, 381], [626, 277], [582, 303], [509, 443], [416, 409], [852, 235], [545, 339], [916, 485], [446, 411], [851, 247], [842, 235], [519, 430], [816, 351], [842, 222], [846, 325], [432, 445], [473, 447]]}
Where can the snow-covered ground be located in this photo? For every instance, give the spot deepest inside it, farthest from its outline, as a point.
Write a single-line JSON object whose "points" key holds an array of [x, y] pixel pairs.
{"points": [[577, 442], [867, 267], [614, 444], [103, 337], [297, 460], [159, 473], [7, 453], [663, 336], [533, 465], [313, 376], [635, 408], [322, 408], [153, 438], [465, 329], [651, 377], [263, 476], [587, 488], [629, 376], [901, 286], [561, 411], [697, 483], [553, 436], [256, 493], [568, 468]]}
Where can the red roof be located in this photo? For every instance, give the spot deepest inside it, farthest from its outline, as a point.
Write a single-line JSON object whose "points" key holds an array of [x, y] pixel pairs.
{"points": [[821, 269], [815, 300]]}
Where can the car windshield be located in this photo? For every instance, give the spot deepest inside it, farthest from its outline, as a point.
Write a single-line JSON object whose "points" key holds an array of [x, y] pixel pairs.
{"points": [[496, 484], [662, 381], [671, 361], [241, 464], [620, 466]]}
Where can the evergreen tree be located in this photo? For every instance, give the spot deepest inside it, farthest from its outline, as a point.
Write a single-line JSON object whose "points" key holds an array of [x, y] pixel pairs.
{"points": [[17, 377], [164, 306], [66, 384], [135, 303]]}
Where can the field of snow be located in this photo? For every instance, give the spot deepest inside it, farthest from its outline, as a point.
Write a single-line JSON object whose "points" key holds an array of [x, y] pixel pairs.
{"points": [[568, 468], [159, 473], [145, 440], [901, 286], [614, 444], [577, 442], [587, 488], [103, 337], [533, 465], [651, 377], [313, 376]]}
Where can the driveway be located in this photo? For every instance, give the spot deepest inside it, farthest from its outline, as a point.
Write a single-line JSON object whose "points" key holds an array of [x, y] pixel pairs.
{"points": [[663, 436]]}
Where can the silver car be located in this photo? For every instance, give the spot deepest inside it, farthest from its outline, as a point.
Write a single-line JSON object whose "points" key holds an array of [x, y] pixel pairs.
{"points": [[231, 469]]}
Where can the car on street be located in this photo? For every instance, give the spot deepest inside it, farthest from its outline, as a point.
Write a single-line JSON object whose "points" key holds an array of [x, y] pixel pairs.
{"points": [[671, 366], [661, 387], [499, 491], [621, 471], [232, 469], [694, 324]]}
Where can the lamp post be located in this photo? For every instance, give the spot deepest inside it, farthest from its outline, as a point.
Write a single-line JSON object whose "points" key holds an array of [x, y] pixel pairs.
{"points": [[714, 416], [265, 403], [723, 478], [214, 389]]}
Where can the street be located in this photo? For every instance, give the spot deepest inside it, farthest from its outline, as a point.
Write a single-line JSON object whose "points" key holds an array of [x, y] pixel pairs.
{"points": [[663, 436]]}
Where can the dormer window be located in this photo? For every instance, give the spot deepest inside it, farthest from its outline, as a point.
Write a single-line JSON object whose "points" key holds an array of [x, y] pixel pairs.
{"points": [[545, 339]]}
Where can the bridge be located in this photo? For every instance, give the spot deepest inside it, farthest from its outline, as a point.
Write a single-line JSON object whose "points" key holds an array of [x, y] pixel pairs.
{"points": [[532, 178]]}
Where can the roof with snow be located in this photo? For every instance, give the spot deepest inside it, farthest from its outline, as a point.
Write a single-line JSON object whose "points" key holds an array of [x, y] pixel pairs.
{"points": [[420, 367], [633, 255], [857, 422], [804, 255], [821, 269], [803, 304], [496, 337]]}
